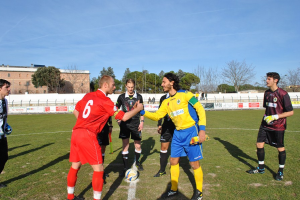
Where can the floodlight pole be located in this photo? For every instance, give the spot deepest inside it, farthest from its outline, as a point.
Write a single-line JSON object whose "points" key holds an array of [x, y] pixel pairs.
{"points": [[155, 83]]}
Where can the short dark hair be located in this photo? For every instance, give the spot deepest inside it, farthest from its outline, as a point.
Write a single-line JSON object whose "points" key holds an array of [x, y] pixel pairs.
{"points": [[130, 80], [173, 77], [274, 75], [3, 82]]}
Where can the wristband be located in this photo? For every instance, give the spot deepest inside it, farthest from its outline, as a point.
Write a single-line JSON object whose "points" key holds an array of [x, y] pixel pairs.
{"points": [[202, 128]]}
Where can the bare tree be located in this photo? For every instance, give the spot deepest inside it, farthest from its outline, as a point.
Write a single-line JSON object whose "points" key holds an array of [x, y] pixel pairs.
{"points": [[293, 77], [238, 73], [208, 79], [75, 80], [283, 83]]}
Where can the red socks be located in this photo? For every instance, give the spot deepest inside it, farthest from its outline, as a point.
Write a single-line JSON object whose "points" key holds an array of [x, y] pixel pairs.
{"points": [[97, 183], [71, 181]]}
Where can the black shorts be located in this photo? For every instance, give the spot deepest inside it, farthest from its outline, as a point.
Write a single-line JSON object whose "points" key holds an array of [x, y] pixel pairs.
{"points": [[102, 137], [166, 135], [3, 152], [127, 129], [273, 138]]}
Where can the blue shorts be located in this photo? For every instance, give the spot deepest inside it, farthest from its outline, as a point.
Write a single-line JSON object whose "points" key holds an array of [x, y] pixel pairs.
{"points": [[181, 146]]}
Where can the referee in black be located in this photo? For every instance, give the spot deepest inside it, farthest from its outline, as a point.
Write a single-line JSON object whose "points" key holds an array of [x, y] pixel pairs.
{"points": [[166, 130], [133, 127]]}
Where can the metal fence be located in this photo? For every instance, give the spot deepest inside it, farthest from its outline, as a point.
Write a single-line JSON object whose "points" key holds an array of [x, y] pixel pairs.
{"points": [[212, 98]]}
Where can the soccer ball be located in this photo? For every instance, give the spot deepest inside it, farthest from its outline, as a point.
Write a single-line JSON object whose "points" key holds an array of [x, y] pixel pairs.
{"points": [[131, 175]]}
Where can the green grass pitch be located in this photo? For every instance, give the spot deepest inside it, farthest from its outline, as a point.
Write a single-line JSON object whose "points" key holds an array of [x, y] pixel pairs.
{"points": [[39, 148]]}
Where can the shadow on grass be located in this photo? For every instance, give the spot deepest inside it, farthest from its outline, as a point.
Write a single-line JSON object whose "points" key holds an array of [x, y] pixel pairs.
{"points": [[85, 190], [237, 153], [13, 148], [116, 166], [180, 196], [53, 162], [147, 146], [29, 151], [184, 163]]}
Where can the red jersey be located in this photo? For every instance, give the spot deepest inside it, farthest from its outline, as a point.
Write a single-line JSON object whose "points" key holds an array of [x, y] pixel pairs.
{"points": [[94, 110], [275, 103]]}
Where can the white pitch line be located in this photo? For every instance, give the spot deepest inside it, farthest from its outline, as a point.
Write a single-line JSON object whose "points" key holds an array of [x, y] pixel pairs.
{"points": [[245, 129], [132, 186], [248, 129], [12, 135]]}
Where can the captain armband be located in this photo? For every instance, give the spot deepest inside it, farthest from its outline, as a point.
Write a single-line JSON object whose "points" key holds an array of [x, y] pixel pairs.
{"points": [[119, 114]]}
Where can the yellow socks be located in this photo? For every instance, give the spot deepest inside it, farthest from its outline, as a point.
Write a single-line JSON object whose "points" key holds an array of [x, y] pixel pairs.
{"points": [[198, 174], [174, 177]]}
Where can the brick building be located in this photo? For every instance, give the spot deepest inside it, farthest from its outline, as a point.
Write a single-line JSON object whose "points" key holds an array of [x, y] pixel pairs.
{"points": [[76, 81]]}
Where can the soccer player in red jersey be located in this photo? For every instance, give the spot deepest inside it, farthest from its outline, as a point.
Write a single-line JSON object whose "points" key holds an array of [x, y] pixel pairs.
{"points": [[278, 107], [92, 112]]}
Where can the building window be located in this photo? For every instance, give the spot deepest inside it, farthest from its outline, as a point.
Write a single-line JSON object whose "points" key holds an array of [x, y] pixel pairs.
{"points": [[44, 91], [81, 84], [19, 75], [8, 75], [27, 75], [19, 83]]}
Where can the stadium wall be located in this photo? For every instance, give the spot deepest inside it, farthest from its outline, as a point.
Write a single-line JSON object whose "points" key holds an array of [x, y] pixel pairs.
{"points": [[65, 103]]}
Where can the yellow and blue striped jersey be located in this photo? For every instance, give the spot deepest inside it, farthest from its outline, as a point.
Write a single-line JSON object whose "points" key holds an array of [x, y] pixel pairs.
{"points": [[184, 110]]}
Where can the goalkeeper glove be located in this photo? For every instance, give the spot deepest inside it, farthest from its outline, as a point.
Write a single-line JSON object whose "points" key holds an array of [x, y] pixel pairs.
{"points": [[269, 119], [8, 129]]}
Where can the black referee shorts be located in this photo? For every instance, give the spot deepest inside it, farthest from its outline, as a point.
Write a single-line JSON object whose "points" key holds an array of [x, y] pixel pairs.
{"points": [[131, 128], [166, 135]]}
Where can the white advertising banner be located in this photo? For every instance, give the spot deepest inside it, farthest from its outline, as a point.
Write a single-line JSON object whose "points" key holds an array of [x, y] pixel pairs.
{"points": [[35, 109], [296, 104], [16, 109], [225, 106], [243, 105], [230, 105], [151, 107], [71, 108], [56, 109]]}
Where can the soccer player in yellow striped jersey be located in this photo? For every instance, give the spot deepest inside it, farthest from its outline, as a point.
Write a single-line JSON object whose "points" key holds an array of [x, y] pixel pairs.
{"points": [[189, 118]]}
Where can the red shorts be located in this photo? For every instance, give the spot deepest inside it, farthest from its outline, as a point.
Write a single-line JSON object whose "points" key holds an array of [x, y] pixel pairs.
{"points": [[85, 147]]}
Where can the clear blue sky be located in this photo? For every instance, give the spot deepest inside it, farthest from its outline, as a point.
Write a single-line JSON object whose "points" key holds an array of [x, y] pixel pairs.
{"points": [[152, 35]]}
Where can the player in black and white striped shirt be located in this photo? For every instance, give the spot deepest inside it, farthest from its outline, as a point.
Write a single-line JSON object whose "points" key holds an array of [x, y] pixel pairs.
{"points": [[4, 91]]}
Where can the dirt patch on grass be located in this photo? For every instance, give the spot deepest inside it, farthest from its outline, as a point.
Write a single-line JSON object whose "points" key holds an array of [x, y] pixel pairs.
{"points": [[208, 187], [288, 183], [212, 175], [256, 184]]}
